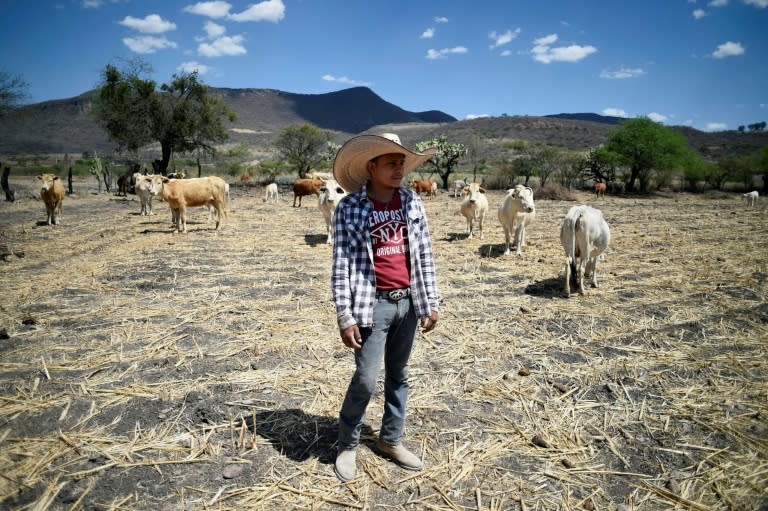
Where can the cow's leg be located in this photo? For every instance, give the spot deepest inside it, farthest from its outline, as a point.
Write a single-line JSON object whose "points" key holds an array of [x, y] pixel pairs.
{"points": [[520, 238], [507, 239], [480, 225]]}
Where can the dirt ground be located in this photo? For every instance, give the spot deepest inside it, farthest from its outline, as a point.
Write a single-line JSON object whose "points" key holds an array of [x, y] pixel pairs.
{"points": [[141, 369]]}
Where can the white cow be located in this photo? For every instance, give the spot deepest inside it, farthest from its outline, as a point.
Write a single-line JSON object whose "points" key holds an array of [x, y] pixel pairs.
{"points": [[751, 198], [516, 212], [330, 195], [458, 187], [270, 193], [433, 193], [474, 207], [142, 186], [584, 235]]}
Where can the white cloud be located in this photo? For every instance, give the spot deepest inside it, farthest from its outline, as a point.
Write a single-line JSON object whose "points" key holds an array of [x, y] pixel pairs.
{"points": [[92, 4], [506, 53], [573, 53], [214, 30], [147, 43], [269, 10], [547, 40], [441, 19], [622, 73], [215, 9], [655, 117], [615, 112], [728, 49], [440, 54], [717, 126], [699, 13], [718, 3], [151, 24], [469, 117], [345, 80], [192, 66], [223, 46], [760, 4], [427, 34], [505, 38]]}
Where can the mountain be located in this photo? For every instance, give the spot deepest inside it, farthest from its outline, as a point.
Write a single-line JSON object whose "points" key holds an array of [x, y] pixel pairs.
{"points": [[607, 119], [65, 125]]}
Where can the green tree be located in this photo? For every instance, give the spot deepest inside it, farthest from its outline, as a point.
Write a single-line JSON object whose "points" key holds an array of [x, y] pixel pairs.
{"points": [[644, 146], [446, 159], [547, 160], [183, 115], [13, 90], [600, 164], [302, 146]]}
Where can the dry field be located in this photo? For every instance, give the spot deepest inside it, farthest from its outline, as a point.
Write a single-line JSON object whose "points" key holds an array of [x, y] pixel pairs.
{"points": [[141, 369]]}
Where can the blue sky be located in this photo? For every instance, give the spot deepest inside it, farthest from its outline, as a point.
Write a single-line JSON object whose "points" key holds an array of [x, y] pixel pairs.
{"points": [[699, 63]]}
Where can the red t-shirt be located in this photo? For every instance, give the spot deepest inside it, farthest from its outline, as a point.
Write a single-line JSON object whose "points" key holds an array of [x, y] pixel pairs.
{"points": [[389, 236]]}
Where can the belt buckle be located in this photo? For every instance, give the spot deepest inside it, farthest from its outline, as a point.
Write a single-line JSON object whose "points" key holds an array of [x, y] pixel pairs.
{"points": [[397, 294]]}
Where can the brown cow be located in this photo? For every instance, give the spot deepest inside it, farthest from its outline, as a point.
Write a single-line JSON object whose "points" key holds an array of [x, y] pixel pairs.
{"points": [[181, 194], [421, 186], [302, 187], [52, 193], [600, 189]]}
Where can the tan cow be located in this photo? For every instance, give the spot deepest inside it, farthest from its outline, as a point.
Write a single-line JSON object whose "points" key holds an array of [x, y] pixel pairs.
{"points": [[600, 189], [584, 235], [474, 207], [302, 187], [181, 194], [516, 212], [52, 193], [331, 194]]}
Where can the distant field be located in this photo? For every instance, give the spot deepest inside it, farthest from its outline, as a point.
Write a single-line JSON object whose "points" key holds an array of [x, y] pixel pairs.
{"points": [[141, 369]]}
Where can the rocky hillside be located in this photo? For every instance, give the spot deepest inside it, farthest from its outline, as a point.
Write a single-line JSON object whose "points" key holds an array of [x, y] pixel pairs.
{"points": [[66, 126]]}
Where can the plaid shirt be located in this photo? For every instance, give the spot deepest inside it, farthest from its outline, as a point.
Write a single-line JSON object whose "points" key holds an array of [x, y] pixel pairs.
{"points": [[353, 277]]}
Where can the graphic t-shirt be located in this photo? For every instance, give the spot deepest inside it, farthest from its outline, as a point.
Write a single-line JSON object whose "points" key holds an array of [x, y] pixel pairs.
{"points": [[389, 236]]}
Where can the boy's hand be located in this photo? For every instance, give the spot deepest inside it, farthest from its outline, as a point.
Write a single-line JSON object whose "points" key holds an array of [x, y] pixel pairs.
{"points": [[351, 338], [429, 323]]}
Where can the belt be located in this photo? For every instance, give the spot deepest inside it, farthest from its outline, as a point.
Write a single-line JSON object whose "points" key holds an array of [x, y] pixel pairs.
{"points": [[394, 294]]}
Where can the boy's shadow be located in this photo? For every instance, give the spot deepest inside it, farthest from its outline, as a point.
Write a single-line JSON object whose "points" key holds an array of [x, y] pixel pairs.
{"points": [[300, 436]]}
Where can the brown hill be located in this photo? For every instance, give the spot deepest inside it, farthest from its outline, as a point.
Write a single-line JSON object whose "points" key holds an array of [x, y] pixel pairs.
{"points": [[66, 126]]}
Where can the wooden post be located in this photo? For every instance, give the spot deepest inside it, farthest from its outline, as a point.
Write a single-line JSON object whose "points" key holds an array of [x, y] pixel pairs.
{"points": [[69, 181], [10, 195]]}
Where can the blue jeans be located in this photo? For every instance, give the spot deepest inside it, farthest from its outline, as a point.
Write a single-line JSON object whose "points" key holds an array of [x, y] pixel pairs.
{"points": [[390, 339]]}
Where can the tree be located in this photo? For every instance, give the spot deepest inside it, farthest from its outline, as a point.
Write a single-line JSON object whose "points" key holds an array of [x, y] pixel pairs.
{"points": [[599, 164], [302, 146], [183, 116], [12, 91], [547, 160], [445, 159], [644, 146]]}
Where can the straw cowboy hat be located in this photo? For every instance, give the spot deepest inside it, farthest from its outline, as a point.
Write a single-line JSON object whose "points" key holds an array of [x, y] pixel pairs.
{"points": [[350, 167]]}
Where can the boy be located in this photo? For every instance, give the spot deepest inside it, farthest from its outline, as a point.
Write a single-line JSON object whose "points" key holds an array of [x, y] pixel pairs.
{"points": [[383, 283]]}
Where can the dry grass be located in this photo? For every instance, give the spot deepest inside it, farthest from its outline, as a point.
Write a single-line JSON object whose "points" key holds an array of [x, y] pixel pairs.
{"points": [[146, 370]]}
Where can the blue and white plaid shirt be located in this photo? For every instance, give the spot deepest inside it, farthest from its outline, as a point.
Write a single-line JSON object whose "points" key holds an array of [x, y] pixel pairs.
{"points": [[353, 278]]}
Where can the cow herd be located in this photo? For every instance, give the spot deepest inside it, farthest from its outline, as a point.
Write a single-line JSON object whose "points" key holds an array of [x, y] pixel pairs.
{"points": [[584, 233]]}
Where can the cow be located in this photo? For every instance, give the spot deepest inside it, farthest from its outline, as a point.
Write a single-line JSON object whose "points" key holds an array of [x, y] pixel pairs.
{"points": [[330, 196], [751, 198], [458, 187], [306, 186], [271, 193], [474, 207], [516, 212], [212, 213], [123, 185], [142, 185], [181, 194], [433, 192], [600, 189], [584, 235], [52, 193], [421, 186], [324, 176]]}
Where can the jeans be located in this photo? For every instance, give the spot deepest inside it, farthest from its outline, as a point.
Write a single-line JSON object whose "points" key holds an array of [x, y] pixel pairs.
{"points": [[391, 339]]}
